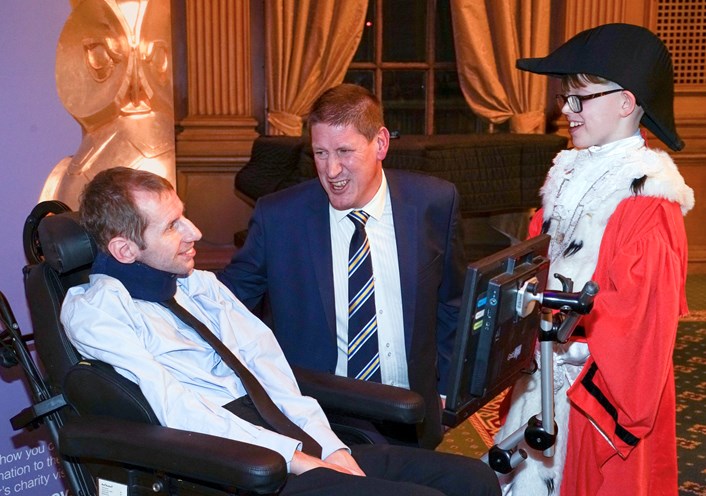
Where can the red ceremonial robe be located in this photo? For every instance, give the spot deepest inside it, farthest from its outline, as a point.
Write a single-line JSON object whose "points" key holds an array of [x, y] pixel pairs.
{"points": [[622, 434]]}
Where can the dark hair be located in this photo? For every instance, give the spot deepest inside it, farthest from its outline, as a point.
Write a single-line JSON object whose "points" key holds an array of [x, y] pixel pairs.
{"points": [[580, 80], [108, 207], [348, 104]]}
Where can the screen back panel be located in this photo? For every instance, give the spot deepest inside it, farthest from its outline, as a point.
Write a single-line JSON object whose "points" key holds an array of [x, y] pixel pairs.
{"points": [[494, 344]]}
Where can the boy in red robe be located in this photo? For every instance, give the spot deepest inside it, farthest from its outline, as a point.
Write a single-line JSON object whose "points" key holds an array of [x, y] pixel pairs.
{"points": [[614, 209]]}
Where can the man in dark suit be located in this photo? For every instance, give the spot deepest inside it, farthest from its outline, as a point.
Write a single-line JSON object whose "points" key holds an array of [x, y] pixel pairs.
{"points": [[297, 253]]}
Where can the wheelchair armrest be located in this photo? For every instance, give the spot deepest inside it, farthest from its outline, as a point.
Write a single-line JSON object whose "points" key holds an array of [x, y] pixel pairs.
{"points": [[185, 454], [32, 416], [369, 400]]}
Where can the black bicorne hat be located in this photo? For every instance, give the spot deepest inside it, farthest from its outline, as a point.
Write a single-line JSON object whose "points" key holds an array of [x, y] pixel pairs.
{"points": [[628, 55]]}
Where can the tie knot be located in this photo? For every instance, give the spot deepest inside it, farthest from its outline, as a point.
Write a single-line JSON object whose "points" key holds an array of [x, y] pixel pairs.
{"points": [[359, 217]]}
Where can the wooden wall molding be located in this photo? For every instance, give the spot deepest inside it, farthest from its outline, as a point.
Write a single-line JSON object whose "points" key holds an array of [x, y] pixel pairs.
{"points": [[227, 138]]}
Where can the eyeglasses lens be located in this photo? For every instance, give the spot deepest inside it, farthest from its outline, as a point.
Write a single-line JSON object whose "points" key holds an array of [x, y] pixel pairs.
{"points": [[573, 101]]}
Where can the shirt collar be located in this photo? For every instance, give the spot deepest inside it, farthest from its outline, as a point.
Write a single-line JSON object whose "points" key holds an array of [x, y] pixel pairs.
{"points": [[374, 207], [634, 141]]}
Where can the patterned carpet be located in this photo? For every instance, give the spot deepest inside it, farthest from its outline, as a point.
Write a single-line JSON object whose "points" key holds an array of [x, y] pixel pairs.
{"points": [[690, 376], [474, 436]]}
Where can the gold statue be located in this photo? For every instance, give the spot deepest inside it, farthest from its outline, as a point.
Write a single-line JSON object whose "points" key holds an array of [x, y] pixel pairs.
{"points": [[113, 75]]}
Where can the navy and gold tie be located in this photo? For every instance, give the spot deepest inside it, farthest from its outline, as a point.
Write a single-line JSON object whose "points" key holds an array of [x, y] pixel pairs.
{"points": [[363, 354]]}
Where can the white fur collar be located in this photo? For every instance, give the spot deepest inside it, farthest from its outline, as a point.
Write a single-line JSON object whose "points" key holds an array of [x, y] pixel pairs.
{"points": [[583, 189]]}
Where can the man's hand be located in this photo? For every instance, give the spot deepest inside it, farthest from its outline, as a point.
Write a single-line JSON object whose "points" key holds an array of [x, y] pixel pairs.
{"points": [[340, 461], [341, 458]]}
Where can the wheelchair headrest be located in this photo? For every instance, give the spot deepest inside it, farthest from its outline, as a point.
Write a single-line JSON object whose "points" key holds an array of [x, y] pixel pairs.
{"points": [[65, 243]]}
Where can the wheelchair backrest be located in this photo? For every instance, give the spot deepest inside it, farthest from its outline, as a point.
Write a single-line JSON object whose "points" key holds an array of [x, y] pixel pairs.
{"points": [[46, 284], [90, 387]]}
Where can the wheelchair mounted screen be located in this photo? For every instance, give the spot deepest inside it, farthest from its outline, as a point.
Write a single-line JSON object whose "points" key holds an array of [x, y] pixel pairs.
{"points": [[495, 341]]}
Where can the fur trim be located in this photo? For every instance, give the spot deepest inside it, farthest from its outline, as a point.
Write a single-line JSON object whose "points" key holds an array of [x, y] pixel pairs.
{"points": [[665, 181], [583, 189]]}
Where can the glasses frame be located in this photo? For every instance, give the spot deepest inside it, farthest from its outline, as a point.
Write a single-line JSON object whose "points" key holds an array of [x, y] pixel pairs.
{"points": [[575, 102]]}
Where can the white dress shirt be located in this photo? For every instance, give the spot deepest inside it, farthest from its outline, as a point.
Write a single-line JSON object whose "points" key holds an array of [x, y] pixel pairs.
{"points": [[184, 379], [388, 294]]}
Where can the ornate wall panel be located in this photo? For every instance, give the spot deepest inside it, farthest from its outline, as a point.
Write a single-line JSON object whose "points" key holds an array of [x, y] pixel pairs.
{"points": [[682, 26]]}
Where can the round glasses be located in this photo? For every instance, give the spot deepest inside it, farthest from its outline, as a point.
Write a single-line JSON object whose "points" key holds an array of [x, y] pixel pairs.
{"points": [[576, 101]]}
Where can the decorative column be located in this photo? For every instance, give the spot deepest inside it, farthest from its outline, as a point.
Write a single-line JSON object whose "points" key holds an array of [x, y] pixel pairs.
{"points": [[215, 123], [219, 120]]}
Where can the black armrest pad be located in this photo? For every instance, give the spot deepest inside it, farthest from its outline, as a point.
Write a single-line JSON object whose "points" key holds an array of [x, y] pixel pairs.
{"points": [[369, 400], [186, 454]]}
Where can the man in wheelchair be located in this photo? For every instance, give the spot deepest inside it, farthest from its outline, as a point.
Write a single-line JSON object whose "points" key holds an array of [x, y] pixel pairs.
{"points": [[121, 317]]}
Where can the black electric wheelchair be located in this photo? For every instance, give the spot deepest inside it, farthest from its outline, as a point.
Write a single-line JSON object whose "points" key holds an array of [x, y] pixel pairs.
{"points": [[106, 432]]}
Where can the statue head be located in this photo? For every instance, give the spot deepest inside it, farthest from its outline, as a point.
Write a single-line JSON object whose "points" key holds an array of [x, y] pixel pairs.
{"points": [[114, 75]]}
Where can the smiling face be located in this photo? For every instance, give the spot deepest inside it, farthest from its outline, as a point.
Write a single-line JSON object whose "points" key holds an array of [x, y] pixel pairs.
{"points": [[169, 237], [604, 119], [600, 121], [348, 165]]}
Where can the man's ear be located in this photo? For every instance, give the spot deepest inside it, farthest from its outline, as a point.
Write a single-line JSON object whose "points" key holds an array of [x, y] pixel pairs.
{"points": [[123, 250], [383, 143], [628, 103]]}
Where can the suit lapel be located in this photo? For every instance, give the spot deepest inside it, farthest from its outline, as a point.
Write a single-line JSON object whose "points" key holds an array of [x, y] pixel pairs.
{"points": [[319, 236], [404, 216]]}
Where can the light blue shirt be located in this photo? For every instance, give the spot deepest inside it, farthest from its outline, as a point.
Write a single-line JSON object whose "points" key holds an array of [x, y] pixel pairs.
{"points": [[183, 378]]}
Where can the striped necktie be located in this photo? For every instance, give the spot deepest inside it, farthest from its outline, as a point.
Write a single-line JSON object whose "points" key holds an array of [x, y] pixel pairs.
{"points": [[363, 355]]}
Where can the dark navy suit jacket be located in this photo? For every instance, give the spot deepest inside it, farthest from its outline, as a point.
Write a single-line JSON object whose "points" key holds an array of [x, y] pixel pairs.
{"points": [[287, 254]]}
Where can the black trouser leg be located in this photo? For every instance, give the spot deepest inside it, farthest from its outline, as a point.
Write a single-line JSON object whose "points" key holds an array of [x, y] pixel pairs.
{"points": [[403, 472], [450, 474]]}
